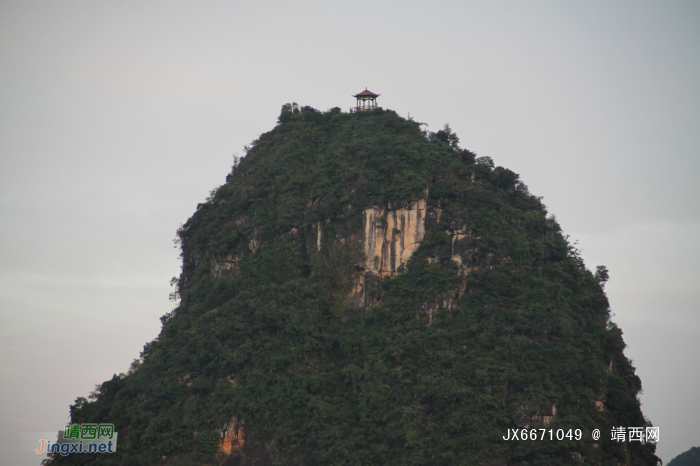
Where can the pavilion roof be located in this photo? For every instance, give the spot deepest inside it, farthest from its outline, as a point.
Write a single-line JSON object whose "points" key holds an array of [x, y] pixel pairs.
{"points": [[366, 93]]}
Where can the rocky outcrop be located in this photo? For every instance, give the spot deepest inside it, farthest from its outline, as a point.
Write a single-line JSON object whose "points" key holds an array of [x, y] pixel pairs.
{"points": [[232, 437], [523, 418], [544, 419], [230, 262], [390, 237], [465, 253]]}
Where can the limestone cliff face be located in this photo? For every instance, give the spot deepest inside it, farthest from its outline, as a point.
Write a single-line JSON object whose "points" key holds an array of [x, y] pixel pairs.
{"points": [[389, 239]]}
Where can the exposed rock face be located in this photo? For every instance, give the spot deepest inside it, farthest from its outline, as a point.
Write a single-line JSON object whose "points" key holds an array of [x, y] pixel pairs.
{"points": [[523, 418], [463, 252], [544, 419], [228, 263], [390, 238], [232, 437]]}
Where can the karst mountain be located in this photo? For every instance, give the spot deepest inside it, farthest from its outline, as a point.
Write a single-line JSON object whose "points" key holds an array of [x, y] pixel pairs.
{"points": [[361, 291]]}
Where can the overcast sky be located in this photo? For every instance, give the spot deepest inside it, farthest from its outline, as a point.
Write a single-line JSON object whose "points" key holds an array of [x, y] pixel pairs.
{"points": [[118, 118]]}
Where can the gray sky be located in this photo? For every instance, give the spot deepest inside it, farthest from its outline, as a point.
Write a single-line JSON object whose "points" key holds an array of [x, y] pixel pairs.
{"points": [[117, 118]]}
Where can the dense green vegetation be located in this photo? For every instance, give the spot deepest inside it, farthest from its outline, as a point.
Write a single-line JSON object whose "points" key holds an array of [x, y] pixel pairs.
{"points": [[268, 339], [688, 458]]}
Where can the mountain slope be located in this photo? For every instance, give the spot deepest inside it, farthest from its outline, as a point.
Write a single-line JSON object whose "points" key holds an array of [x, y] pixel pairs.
{"points": [[687, 458], [363, 292]]}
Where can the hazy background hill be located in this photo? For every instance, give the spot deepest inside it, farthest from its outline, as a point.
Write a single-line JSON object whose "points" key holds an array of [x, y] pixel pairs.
{"points": [[687, 458]]}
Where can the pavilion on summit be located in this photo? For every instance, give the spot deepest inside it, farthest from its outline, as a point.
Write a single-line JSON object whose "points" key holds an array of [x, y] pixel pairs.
{"points": [[366, 100]]}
